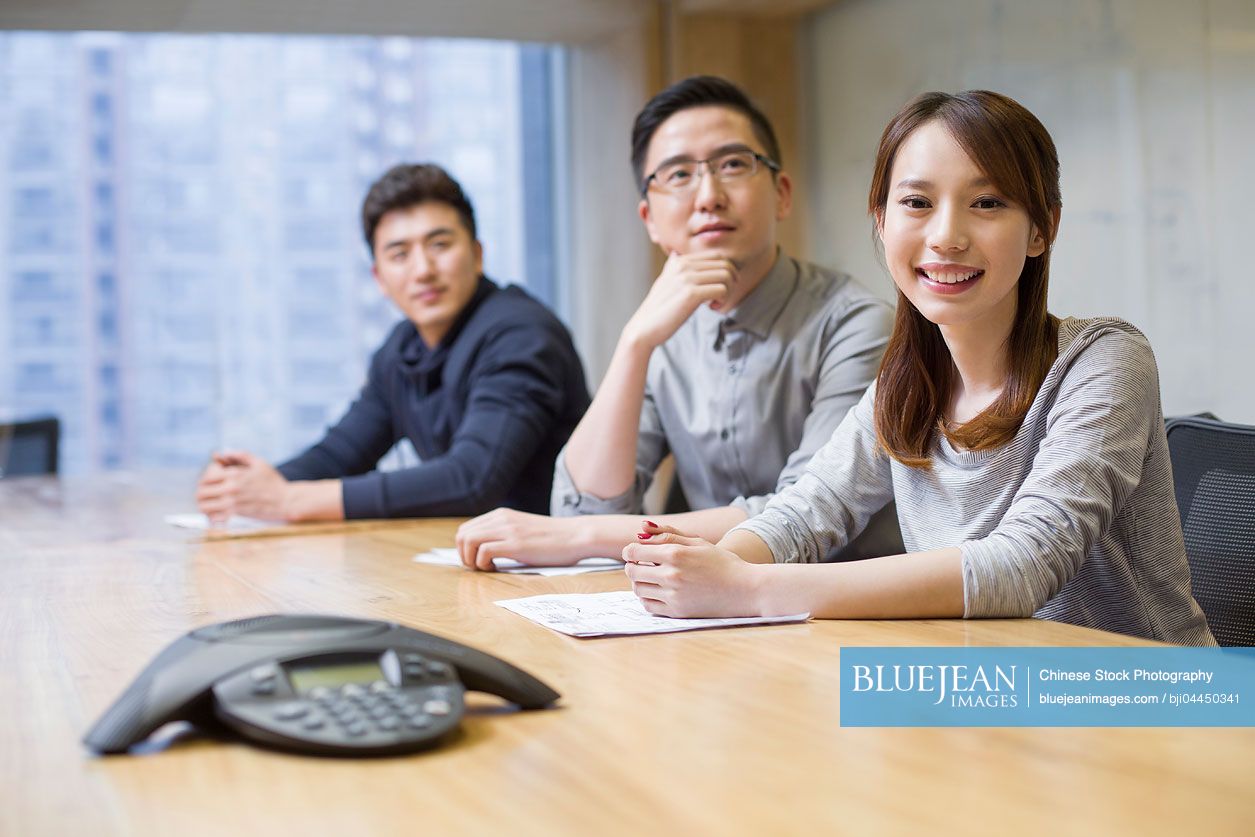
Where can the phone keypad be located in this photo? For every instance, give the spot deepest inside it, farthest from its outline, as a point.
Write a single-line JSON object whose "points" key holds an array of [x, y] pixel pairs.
{"points": [[422, 704]]}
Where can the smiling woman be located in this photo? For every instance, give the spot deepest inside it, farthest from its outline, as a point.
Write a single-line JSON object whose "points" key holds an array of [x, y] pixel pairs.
{"points": [[966, 239], [1026, 454]]}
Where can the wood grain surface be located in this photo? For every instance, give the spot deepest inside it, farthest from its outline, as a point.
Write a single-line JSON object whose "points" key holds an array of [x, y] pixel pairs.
{"points": [[717, 732]]}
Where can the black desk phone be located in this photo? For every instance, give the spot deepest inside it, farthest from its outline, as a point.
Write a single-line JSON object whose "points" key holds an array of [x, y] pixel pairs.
{"points": [[326, 685]]}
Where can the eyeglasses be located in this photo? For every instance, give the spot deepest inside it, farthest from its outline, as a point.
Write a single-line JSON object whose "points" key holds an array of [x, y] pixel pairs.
{"points": [[682, 176]]}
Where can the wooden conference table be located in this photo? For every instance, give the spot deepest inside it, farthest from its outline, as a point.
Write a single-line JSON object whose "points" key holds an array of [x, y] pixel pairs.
{"points": [[717, 732]]}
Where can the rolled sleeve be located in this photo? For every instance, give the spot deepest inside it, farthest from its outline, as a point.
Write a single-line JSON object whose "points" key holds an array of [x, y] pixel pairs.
{"points": [[651, 447], [751, 505], [569, 501]]}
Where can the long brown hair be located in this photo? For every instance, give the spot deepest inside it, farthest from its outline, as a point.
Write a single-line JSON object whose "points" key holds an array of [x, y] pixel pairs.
{"points": [[917, 376]]}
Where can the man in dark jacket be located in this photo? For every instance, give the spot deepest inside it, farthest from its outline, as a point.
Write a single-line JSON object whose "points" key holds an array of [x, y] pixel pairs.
{"points": [[483, 380]]}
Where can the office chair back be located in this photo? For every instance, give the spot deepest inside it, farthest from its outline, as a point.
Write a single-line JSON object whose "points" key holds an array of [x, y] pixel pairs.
{"points": [[29, 447], [1213, 469]]}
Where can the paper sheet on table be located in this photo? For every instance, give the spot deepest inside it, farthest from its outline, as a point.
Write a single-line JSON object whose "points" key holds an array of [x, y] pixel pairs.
{"points": [[235, 525], [446, 557], [610, 614]]}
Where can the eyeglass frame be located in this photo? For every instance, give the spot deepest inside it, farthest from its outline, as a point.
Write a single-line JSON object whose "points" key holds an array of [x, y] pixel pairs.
{"points": [[770, 164]]}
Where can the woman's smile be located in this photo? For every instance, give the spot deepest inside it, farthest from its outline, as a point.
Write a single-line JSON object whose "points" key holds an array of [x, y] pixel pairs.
{"points": [[946, 278]]}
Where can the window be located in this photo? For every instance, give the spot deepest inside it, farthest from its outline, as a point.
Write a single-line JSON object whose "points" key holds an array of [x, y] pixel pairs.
{"points": [[317, 234], [33, 235], [102, 106], [209, 197], [104, 237], [315, 282], [102, 148], [104, 196], [30, 154], [32, 377], [35, 332], [186, 236], [101, 61], [34, 201], [33, 284]]}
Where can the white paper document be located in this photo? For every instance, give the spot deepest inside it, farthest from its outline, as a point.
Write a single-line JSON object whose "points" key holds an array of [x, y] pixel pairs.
{"points": [[235, 525], [609, 614], [447, 557]]}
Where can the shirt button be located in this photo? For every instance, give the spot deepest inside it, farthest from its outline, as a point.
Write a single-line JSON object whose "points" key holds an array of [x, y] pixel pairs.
{"points": [[731, 368], [723, 434]]}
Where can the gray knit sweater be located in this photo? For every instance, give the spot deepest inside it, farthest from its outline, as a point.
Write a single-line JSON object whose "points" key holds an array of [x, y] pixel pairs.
{"points": [[1073, 520]]}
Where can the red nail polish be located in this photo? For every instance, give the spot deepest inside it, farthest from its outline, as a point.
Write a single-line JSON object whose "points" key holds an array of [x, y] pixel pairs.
{"points": [[652, 523], [644, 537]]}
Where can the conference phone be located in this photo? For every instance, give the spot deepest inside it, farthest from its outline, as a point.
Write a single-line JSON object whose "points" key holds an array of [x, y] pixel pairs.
{"points": [[326, 685]]}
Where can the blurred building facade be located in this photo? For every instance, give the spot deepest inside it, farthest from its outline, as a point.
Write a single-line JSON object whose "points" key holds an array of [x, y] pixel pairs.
{"points": [[181, 263]]}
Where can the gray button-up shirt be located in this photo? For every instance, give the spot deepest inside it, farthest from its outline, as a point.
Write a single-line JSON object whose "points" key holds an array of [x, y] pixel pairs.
{"points": [[745, 399]]}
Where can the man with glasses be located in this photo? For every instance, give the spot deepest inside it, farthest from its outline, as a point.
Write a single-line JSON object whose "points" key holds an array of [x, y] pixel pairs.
{"points": [[741, 361]]}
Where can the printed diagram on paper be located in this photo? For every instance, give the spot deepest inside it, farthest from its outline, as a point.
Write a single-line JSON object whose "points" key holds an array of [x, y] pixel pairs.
{"points": [[619, 613]]}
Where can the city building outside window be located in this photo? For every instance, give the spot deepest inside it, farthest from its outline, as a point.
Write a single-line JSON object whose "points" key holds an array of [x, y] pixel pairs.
{"points": [[181, 263]]}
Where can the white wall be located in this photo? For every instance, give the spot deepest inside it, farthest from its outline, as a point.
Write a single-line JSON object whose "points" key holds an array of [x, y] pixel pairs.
{"points": [[610, 268], [1152, 106]]}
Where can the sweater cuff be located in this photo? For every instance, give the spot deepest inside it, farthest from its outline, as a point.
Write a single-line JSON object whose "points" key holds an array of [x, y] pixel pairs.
{"points": [[786, 546], [364, 496], [988, 592]]}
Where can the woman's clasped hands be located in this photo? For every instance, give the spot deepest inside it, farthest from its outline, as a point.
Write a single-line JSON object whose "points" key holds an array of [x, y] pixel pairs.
{"points": [[677, 575]]}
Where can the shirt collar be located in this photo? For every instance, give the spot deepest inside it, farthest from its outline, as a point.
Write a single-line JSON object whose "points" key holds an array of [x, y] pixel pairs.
{"points": [[758, 311], [416, 355]]}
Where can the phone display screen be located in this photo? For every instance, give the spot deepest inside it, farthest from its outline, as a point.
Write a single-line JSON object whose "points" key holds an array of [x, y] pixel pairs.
{"points": [[334, 675]]}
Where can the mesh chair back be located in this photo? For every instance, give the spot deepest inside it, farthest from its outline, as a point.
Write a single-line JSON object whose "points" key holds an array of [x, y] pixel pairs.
{"points": [[1213, 469], [29, 447]]}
